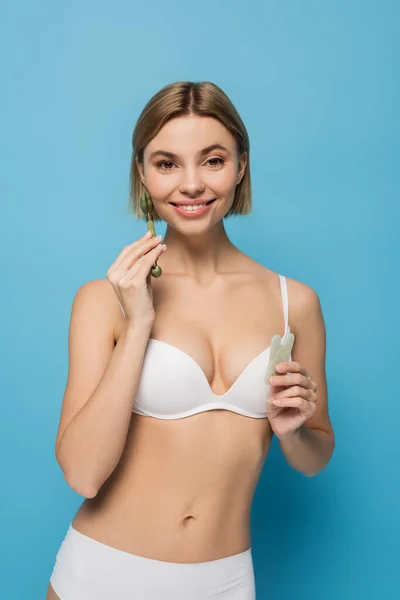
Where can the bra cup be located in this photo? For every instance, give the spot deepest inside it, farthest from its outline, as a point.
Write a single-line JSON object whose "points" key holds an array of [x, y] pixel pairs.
{"points": [[181, 388]]}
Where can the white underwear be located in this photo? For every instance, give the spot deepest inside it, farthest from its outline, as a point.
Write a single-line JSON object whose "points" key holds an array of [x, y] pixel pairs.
{"points": [[86, 569]]}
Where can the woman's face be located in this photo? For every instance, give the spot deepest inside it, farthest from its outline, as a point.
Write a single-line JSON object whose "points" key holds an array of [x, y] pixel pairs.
{"points": [[192, 159]]}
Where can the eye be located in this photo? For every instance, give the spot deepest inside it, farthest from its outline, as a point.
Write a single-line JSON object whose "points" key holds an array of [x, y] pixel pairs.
{"points": [[165, 165], [215, 161]]}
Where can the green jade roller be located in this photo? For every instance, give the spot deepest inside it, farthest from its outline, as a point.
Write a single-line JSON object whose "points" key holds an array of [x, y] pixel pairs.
{"points": [[146, 206]]}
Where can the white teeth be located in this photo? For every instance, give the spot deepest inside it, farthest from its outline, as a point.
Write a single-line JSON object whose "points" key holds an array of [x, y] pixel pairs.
{"points": [[193, 207]]}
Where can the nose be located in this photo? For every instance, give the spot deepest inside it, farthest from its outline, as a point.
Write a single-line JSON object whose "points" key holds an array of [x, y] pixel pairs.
{"points": [[191, 183]]}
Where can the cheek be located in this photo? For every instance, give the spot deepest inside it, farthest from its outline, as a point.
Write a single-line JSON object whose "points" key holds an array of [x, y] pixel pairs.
{"points": [[161, 186], [223, 181]]}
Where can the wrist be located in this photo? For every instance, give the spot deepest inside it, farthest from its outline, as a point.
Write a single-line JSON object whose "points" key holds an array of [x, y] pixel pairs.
{"points": [[138, 329], [291, 435]]}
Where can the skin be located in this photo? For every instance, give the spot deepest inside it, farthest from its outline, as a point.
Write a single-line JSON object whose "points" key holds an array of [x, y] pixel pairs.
{"points": [[194, 505]]}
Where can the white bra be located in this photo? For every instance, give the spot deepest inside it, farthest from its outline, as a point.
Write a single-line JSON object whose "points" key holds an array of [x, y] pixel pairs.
{"points": [[173, 385]]}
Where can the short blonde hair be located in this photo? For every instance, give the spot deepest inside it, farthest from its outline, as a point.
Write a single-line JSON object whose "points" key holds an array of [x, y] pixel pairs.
{"points": [[182, 98]]}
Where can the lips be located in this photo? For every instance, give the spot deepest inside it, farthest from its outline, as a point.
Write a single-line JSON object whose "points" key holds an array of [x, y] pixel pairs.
{"points": [[193, 213], [193, 203]]}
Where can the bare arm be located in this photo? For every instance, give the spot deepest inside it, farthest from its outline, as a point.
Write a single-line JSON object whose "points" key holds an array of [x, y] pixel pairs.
{"points": [[100, 391], [310, 449]]}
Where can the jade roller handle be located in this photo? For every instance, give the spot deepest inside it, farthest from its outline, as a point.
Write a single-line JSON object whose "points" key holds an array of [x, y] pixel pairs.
{"points": [[145, 205]]}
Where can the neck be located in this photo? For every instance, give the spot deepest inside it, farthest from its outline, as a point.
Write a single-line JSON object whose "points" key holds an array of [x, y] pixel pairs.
{"points": [[201, 256]]}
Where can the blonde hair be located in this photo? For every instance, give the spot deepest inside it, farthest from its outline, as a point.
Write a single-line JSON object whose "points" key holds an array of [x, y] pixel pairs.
{"points": [[201, 98]]}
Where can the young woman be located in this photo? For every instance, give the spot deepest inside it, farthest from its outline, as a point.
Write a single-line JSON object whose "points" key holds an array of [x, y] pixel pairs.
{"points": [[166, 418]]}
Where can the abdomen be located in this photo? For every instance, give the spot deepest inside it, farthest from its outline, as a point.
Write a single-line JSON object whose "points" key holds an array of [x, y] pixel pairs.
{"points": [[183, 489]]}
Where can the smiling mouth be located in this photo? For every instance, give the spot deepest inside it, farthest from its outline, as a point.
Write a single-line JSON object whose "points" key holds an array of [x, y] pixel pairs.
{"points": [[194, 203]]}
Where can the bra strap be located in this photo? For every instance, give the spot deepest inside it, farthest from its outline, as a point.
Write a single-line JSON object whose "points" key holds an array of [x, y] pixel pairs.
{"points": [[285, 305]]}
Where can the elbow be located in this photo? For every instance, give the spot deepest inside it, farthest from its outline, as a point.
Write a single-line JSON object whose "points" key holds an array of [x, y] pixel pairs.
{"points": [[316, 471], [84, 488], [310, 473]]}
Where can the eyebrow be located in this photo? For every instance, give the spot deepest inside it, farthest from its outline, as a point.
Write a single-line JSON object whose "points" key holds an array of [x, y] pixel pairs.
{"points": [[202, 152]]}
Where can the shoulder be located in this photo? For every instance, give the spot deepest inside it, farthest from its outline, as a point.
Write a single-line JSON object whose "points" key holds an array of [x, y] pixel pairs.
{"points": [[301, 296], [303, 300], [304, 306], [98, 296], [99, 291]]}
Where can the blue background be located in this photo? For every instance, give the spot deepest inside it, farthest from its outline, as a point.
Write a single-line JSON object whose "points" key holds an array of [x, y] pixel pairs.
{"points": [[316, 84]]}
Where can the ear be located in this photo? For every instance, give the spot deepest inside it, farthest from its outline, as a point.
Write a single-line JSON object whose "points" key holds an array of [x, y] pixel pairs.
{"points": [[140, 169], [242, 167]]}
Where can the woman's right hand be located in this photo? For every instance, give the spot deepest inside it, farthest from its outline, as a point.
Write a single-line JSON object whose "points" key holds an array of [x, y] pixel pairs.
{"points": [[130, 277]]}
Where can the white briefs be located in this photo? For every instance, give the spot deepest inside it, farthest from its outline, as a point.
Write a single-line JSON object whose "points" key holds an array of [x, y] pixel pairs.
{"points": [[86, 569]]}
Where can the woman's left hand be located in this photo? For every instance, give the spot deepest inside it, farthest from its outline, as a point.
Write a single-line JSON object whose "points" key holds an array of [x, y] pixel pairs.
{"points": [[292, 398]]}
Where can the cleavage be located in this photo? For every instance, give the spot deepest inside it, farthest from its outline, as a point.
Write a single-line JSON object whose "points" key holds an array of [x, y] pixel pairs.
{"points": [[221, 330], [221, 370]]}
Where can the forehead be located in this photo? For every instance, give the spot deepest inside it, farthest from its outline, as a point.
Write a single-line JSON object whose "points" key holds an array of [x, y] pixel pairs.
{"points": [[191, 134]]}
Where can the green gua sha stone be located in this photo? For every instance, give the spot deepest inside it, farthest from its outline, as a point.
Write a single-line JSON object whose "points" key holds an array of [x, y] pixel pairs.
{"points": [[280, 351]]}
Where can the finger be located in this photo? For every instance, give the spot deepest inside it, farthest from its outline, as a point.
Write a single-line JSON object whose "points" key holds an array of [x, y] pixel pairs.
{"points": [[300, 403], [138, 251], [141, 268], [291, 367], [127, 249], [312, 385], [291, 379], [293, 391]]}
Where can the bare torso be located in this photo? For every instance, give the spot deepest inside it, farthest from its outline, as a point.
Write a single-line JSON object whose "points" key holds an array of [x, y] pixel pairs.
{"points": [[183, 488]]}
